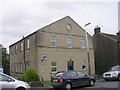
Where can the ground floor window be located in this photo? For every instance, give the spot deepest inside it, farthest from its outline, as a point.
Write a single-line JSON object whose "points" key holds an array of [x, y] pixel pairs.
{"points": [[19, 67], [53, 67], [12, 67], [84, 65]]}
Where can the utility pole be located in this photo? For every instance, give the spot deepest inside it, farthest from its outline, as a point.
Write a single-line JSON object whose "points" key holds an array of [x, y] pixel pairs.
{"points": [[87, 46], [118, 45]]}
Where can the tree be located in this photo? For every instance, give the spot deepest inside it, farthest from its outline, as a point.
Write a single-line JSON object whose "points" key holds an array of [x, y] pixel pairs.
{"points": [[5, 61], [30, 75]]}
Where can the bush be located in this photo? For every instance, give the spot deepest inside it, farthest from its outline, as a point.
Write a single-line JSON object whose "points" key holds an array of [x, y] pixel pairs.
{"points": [[22, 77], [30, 75]]}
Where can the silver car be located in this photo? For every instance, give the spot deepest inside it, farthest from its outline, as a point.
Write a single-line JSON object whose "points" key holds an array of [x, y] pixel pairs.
{"points": [[8, 82], [112, 74]]}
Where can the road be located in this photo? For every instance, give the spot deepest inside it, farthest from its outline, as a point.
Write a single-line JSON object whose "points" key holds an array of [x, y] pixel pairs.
{"points": [[100, 85]]}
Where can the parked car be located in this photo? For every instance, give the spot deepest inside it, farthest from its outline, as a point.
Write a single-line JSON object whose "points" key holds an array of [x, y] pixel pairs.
{"points": [[70, 79], [8, 82], [112, 74]]}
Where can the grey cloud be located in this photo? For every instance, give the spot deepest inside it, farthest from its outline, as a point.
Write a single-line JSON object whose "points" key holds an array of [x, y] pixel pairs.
{"points": [[24, 17]]}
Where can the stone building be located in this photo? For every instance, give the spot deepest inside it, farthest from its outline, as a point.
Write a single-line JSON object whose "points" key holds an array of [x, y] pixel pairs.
{"points": [[58, 46], [106, 50]]}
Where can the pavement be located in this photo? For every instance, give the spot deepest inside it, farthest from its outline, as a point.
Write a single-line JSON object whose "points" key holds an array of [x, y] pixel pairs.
{"points": [[100, 80], [43, 87]]}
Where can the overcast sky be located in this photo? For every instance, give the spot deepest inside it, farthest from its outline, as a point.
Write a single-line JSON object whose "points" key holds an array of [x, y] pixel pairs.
{"points": [[19, 18]]}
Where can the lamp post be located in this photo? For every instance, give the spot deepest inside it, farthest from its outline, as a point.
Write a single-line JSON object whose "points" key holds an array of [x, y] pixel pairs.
{"points": [[87, 46], [118, 45]]}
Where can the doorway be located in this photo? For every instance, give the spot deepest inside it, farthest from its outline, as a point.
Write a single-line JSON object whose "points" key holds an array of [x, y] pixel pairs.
{"points": [[70, 65]]}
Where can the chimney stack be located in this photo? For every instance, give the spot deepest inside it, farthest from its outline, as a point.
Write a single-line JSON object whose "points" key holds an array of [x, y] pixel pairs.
{"points": [[118, 34], [97, 30]]}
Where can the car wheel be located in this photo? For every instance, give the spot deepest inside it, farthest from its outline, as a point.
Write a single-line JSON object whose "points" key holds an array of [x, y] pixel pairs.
{"points": [[118, 77], [68, 86], [20, 88], [106, 79], [91, 83]]}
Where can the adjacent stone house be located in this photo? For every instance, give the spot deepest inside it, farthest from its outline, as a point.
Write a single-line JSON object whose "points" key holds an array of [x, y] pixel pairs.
{"points": [[106, 50], [58, 46]]}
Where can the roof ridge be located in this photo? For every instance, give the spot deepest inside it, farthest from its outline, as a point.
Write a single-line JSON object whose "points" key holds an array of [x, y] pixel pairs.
{"points": [[42, 29], [109, 36]]}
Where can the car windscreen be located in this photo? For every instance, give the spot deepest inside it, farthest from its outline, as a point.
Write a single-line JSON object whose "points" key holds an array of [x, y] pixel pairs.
{"points": [[115, 68], [58, 75]]}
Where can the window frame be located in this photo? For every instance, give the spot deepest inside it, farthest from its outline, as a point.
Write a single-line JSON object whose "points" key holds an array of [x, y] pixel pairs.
{"points": [[53, 66], [16, 48], [21, 46], [28, 43], [83, 43], [21, 67], [69, 42], [53, 41]]}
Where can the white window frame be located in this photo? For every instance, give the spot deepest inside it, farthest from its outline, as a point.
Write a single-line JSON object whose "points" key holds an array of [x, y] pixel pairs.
{"points": [[28, 43], [16, 67], [83, 43], [16, 48], [53, 41], [53, 66], [12, 67], [69, 42], [21, 67], [21, 46], [12, 50]]}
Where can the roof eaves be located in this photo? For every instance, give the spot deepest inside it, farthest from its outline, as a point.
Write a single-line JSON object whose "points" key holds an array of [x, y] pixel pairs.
{"points": [[109, 36]]}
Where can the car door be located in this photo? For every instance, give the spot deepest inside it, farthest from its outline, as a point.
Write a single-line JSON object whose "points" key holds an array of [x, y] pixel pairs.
{"points": [[7, 82], [83, 78], [0, 81], [73, 78]]}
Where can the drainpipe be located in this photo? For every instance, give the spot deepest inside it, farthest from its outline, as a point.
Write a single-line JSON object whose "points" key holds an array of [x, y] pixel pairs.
{"points": [[24, 52]]}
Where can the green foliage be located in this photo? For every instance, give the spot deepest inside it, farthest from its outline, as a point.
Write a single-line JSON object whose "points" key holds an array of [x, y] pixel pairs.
{"points": [[30, 75], [22, 77], [5, 61]]}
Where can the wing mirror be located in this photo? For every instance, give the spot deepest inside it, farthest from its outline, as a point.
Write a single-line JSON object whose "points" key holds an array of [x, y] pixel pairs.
{"points": [[9, 80]]}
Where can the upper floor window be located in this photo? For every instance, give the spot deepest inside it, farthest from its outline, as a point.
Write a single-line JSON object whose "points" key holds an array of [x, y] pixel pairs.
{"points": [[16, 48], [28, 43], [11, 50], [83, 43], [21, 46], [53, 41], [69, 42]]}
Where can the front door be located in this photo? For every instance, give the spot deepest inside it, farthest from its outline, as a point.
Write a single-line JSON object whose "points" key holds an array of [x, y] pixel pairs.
{"points": [[70, 65]]}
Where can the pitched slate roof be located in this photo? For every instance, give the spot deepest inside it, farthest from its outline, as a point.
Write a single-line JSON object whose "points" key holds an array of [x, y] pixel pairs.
{"points": [[111, 36]]}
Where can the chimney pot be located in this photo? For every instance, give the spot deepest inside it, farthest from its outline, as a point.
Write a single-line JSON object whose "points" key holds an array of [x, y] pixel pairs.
{"points": [[97, 30]]}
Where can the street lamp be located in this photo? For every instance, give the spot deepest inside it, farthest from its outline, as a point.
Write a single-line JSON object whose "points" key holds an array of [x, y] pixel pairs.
{"points": [[87, 46], [118, 45]]}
